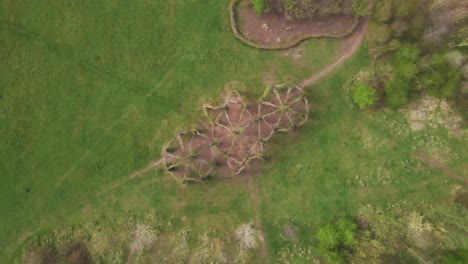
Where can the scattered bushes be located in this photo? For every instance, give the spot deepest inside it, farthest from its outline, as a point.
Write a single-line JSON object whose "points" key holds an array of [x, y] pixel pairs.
{"points": [[424, 232], [408, 72], [146, 239]]}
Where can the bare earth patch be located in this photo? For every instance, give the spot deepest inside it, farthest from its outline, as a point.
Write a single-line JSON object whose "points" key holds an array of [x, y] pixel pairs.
{"points": [[431, 112], [274, 29]]}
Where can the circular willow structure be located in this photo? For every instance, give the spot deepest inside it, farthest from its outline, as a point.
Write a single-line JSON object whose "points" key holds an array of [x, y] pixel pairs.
{"points": [[283, 107], [232, 131], [189, 156], [236, 133]]}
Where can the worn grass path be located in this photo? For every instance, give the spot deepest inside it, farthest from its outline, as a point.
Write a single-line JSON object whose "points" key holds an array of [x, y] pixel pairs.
{"points": [[350, 46]]}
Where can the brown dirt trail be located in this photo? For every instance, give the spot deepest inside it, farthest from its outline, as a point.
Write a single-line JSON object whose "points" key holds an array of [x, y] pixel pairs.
{"points": [[350, 46]]}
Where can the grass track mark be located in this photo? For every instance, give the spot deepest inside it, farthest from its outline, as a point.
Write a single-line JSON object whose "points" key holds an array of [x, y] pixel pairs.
{"points": [[130, 177], [254, 196]]}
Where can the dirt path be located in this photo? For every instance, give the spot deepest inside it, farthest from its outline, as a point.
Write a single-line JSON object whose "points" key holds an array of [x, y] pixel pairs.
{"points": [[350, 46]]}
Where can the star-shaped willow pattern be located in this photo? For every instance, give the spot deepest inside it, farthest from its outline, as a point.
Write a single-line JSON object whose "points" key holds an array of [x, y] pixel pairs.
{"points": [[189, 156], [236, 133]]}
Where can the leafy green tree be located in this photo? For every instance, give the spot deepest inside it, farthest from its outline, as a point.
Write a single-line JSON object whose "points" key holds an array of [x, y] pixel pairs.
{"points": [[364, 95], [259, 6], [405, 66], [405, 61], [337, 240]]}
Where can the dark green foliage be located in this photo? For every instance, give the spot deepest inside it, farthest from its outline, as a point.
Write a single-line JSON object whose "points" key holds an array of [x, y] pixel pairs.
{"points": [[405, 70], [360, 7], [406, 20], [364, 95], [440, 79], [459, 256], [383, 11], [461, 103], [378, 34], [404, 8], [259, 6], [337, 240], [397, 92], [405, 61], [298, 9]]}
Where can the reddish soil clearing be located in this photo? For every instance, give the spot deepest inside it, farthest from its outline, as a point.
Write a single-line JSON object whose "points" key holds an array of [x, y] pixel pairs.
{"points": [[275, 29]]}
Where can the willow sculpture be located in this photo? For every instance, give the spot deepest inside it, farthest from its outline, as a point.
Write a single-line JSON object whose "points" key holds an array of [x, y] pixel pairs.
{"points": [[235, 134]]}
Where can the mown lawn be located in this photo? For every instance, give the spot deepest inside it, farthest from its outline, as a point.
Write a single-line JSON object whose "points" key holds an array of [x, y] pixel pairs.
{"points": [[91, 90]]}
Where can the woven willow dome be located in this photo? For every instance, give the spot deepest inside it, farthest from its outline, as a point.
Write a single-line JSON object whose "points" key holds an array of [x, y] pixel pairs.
{"points": [[236, 133], [284, 107], [233, 131], [189, 156]]}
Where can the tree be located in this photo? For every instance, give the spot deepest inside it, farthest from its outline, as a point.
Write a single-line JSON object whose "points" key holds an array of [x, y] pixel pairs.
{"points": [[405, 61], [364, 95], [248, 236]]}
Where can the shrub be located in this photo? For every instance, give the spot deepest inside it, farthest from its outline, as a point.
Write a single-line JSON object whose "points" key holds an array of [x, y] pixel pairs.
{"points": [[364, 95], [259, 6], [336, 240]]}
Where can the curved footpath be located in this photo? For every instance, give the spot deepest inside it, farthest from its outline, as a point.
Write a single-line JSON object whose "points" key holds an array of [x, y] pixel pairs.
{"points": [[350, 46]]}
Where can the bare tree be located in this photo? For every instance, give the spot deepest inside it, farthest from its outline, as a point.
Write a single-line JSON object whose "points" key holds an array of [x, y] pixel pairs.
{"points": [[248, 236]]}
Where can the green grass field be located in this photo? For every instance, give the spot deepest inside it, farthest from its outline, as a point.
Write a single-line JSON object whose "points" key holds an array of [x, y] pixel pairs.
{"points": [[91, 90]]}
